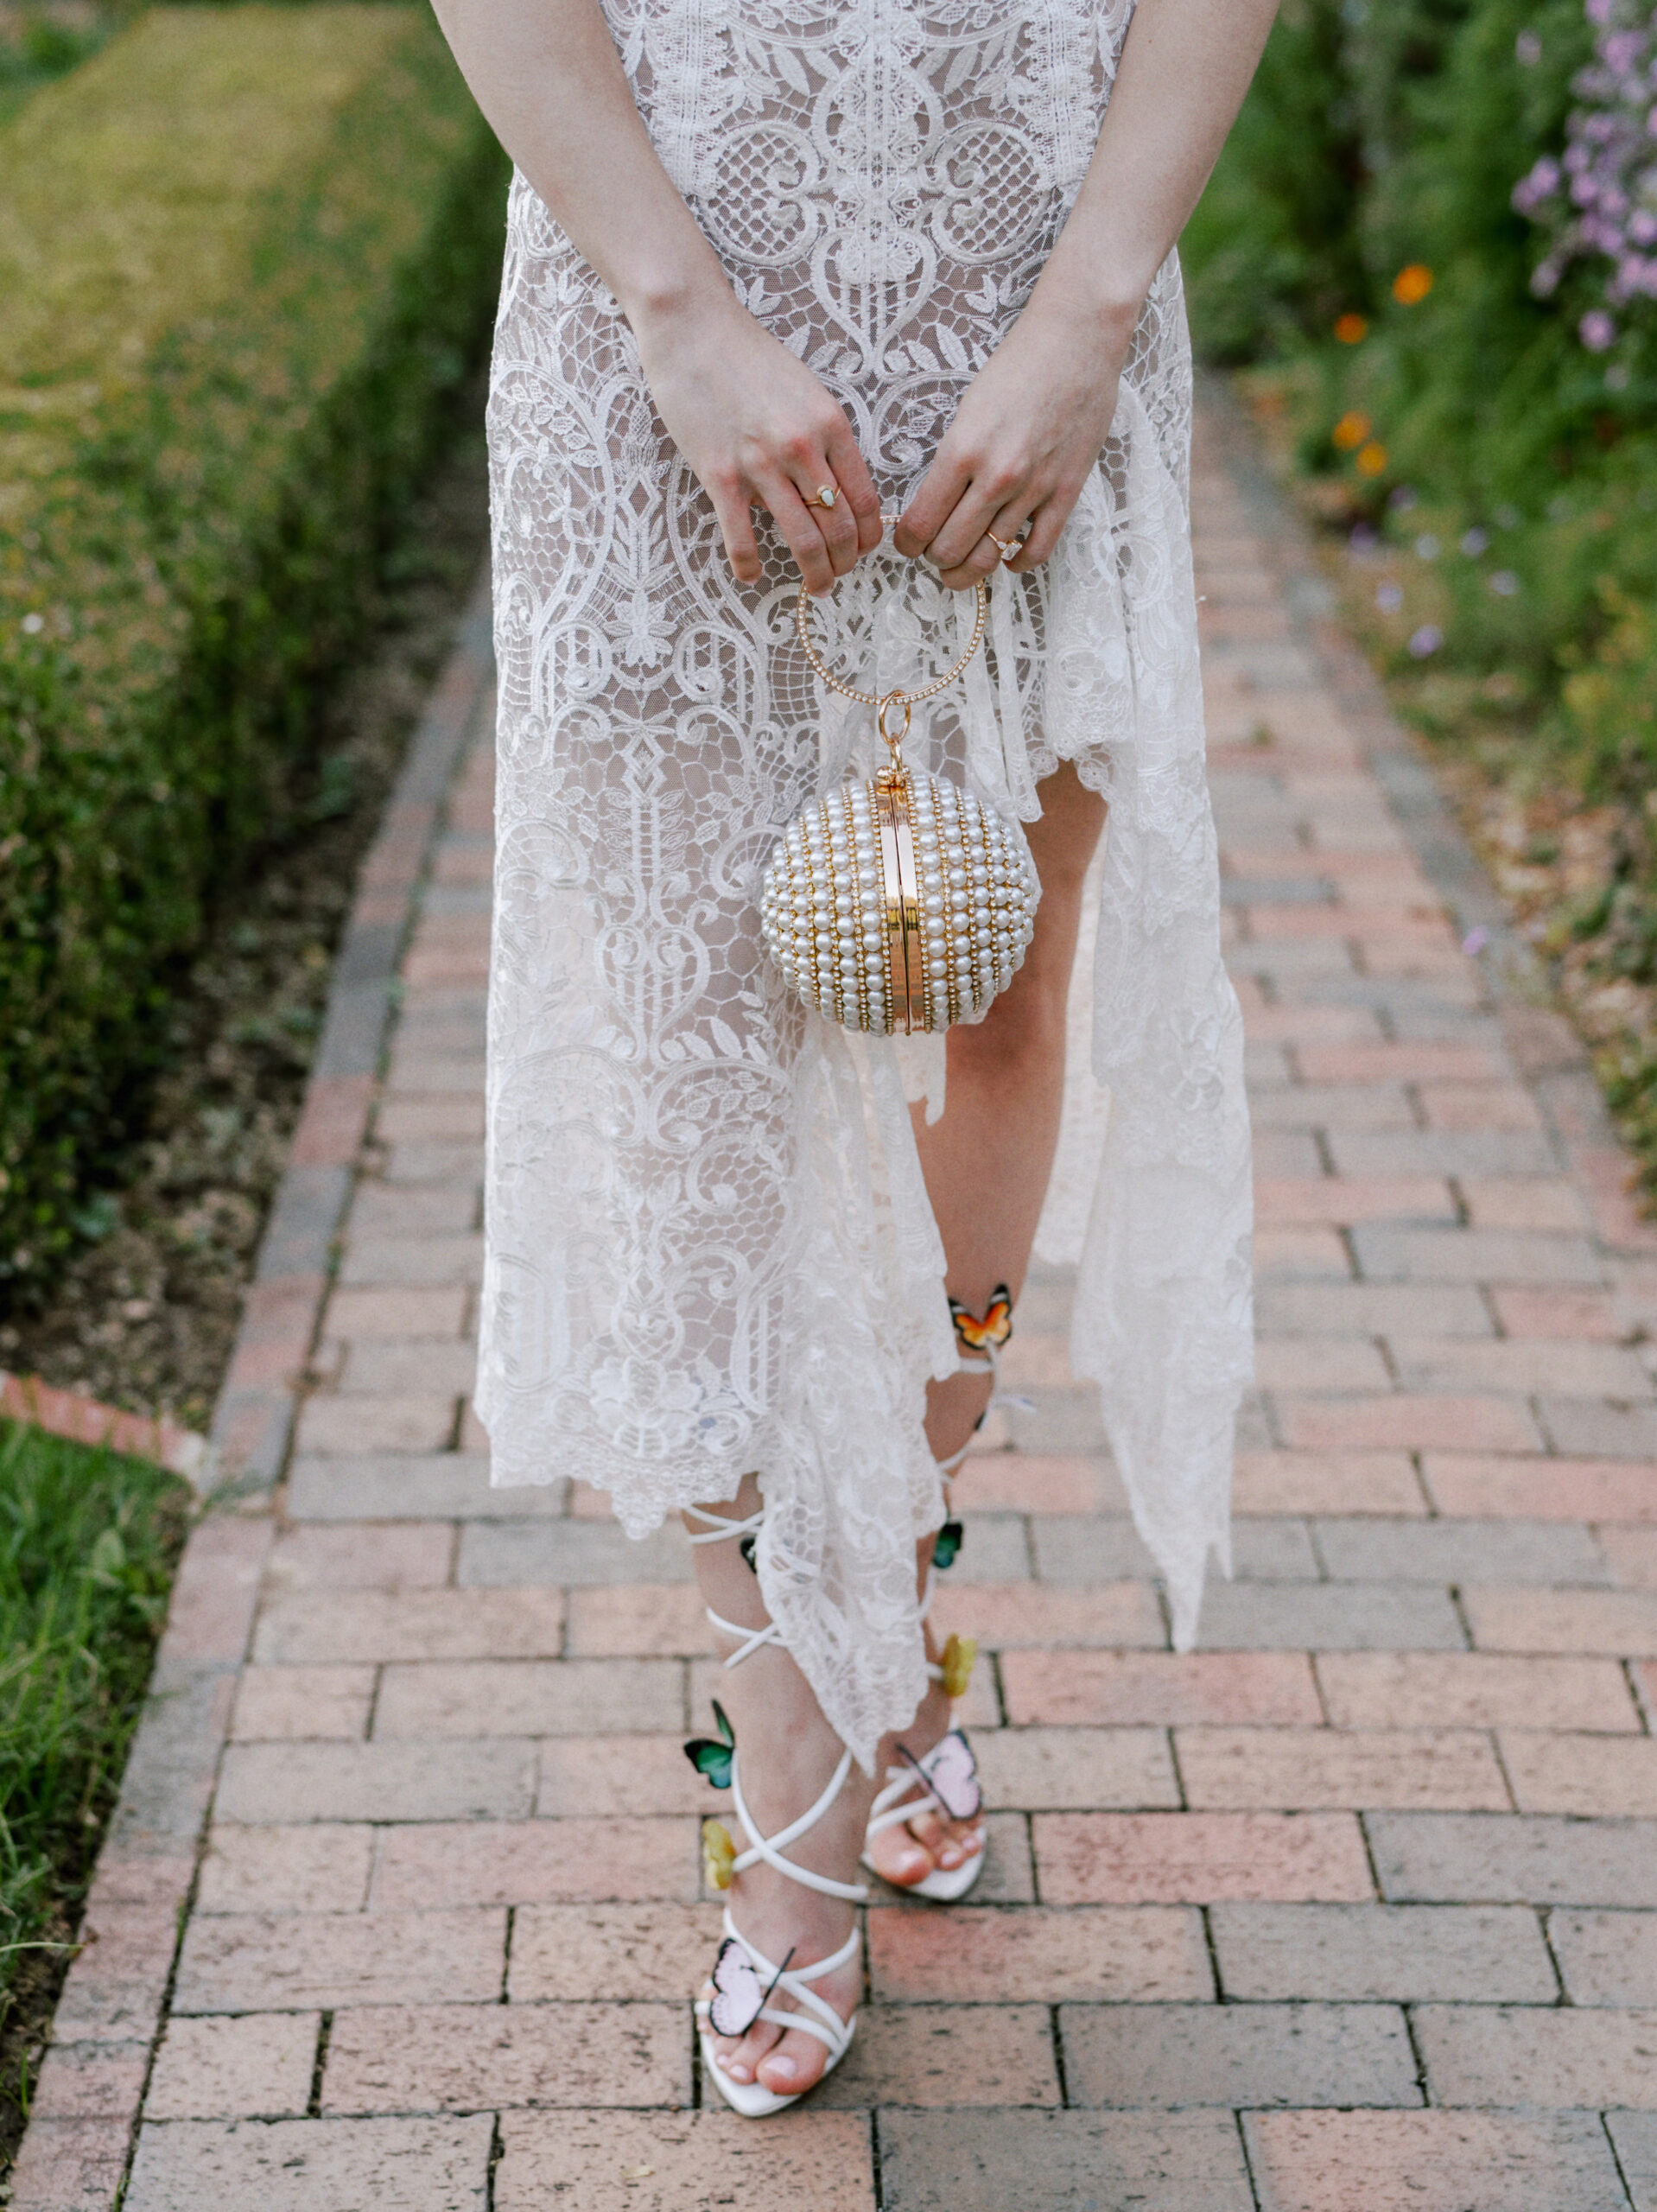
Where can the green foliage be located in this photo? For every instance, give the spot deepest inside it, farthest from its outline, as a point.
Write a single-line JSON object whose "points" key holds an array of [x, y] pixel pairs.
{"points": [[248, 253], [88, 1544]]}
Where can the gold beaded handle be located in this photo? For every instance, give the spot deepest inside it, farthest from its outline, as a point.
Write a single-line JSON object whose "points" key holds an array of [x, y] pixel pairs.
{"points": [[882, 700]]}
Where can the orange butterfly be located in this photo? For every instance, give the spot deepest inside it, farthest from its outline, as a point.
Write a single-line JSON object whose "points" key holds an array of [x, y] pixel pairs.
{"points": [[993, 1332]]}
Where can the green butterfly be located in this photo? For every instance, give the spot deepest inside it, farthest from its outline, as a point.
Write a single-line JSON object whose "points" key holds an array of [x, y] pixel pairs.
{"points": [[947, 1549], [711, 1757]]}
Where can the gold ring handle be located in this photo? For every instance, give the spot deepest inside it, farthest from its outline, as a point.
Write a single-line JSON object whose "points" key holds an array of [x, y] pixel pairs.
{"points": [[882, 700]]}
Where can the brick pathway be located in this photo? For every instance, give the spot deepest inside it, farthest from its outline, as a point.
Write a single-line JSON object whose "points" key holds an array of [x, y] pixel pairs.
{"points": [[1356, 1908]]}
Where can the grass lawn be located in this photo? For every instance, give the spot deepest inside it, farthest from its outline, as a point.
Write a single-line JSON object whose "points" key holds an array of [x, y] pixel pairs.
{"points": [[88, 1542]]}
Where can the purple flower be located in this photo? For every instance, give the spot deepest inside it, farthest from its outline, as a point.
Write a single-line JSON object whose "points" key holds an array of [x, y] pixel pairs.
{"points": [[1427, 640], [1597, 330]]}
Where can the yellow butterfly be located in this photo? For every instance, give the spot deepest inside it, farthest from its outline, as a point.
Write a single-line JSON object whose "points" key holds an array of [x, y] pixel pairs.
{"points": [[958, 1654], [718, 1855]]}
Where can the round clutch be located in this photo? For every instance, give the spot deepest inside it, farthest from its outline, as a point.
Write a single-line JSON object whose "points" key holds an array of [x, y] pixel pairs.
{"points": [[900, 904]]}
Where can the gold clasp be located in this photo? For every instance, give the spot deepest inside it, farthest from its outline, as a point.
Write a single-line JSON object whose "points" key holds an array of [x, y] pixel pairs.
{"points": [[894, 699]]}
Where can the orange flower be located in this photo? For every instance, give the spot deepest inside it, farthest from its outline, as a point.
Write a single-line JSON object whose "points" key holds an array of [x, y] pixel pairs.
{"points": [[1412, 284], [1351, 430], [1351, 330], [1371, 459]]}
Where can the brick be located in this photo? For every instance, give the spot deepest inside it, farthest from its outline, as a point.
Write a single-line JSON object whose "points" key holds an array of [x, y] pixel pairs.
{"points": [[1320, 1363], [1510, 1859], [1372, 1953], [1326, 1482], [1342, 1199], [256, 2066], [1107, 1549], [1565, 1367], [1378, 1309], [1630, 1556], [1468, 1689], [529, 1697], [70, 2165], [1598, 1775], [403, 1261], [1442, 1152], [414, 1119], [990, 2161], [327, 1627], [1327, 1106], [1479, 1106], [116, 1981], [1559, 1314], [1260, 1688], [456, 2057], [417, 1370], [268, 1961], [682, 2162], [652, 1953], [1606, 1958], [1328, 1616], [602, 1776], [362, 1555], [1536, 2055], [1151, 2055], [1050, 1769], [217, 1589], [996, 1549], [1385, 1254], [278, 1869], [1523, 1202], [299, 2166], [637, 1620], [1199, 1858], [1009, 1616], [1481, 1485], [1103, 1953], [1408, 1421], [90, 2080], [409, 1486], [1029, 1482], [358, 1424], [1432, 2162], [283, 1703], [529, 1862], [1620, 1622], [952, 2055], [1460, 1551], [387, 1210], [1634, 2135], [497, 1553], [1299, 1254], [269, 1783], [1592, 1428], [1307, 1770]]}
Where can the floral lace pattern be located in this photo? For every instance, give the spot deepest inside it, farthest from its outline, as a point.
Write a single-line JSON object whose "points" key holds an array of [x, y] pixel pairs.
{"points": [[709, 1245]]}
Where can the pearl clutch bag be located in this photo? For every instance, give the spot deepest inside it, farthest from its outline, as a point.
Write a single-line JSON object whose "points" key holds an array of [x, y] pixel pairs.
{"points": [[899, 904]]}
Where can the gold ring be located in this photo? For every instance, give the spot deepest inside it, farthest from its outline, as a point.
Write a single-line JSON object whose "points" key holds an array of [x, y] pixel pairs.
{"points": [[825, 496], [1009, 549]]}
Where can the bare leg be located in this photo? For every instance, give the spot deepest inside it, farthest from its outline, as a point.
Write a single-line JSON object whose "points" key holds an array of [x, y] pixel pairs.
{"points": [[788, 1753], [986, 1162]]}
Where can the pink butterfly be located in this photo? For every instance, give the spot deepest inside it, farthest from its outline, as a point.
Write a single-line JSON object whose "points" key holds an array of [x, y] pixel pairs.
{"points": [[737, 1998], [951, 1773]]}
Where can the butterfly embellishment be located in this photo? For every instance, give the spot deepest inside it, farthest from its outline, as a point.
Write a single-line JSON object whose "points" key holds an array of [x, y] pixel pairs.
{"points": [[739, 1998], [946, 1548], [957, 1665], [713, 1756], [718, 1855], [951, 1773], [990, 1334]]}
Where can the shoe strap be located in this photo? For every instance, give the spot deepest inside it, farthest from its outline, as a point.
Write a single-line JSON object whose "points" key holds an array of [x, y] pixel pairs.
{"points": [[720, 1527], [749, 1640], [816, 2016], [892, 1806], [771, 1848]]}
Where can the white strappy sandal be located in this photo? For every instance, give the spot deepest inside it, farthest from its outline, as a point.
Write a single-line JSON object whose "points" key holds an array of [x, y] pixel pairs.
{"points": [[743, 1977]]}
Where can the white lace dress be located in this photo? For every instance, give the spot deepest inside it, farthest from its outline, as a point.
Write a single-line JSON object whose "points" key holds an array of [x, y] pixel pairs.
{"points": [[710, 1246]]}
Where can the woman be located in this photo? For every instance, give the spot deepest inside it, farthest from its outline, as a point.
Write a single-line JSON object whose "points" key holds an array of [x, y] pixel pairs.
{"points": [[776, 270]]}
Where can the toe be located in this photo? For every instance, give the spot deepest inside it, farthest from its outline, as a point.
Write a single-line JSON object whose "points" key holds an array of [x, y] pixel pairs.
{"points": [[794, 2065], [740, 2057], [898, 1858]]}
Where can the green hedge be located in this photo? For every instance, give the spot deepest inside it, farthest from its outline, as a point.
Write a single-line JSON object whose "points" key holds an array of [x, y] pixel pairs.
{"points": [[246, 254]]}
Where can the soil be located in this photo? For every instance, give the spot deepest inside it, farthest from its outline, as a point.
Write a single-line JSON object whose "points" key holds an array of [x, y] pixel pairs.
{"points": [[144, 1315]]}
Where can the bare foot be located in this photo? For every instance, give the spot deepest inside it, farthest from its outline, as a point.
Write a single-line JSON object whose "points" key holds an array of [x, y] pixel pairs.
{"points": [[910, 1850]]}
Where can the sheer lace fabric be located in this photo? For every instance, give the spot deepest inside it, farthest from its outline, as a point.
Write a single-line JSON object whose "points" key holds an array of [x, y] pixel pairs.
{"points": [[709, 1245]]}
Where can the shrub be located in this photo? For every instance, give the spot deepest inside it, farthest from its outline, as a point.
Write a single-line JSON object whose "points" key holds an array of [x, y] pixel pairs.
{"points": [[246, 253]]}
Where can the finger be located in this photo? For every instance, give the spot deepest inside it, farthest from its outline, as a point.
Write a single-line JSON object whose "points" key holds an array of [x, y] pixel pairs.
{"points": [[798, 524], [961, 541], [1045, 526], [735, 518], [932, 505], [851, 472], [836, 525]]}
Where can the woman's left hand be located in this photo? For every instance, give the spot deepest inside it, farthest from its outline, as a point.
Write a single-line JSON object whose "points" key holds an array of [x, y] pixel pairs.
{"points": [[1029, 429]]}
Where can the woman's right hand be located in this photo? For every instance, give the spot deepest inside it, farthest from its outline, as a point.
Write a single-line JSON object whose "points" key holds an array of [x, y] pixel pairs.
{"points": [[758, 429]]}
